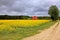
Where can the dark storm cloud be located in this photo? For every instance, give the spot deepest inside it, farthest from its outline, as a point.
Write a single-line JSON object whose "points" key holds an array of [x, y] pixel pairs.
{"points": [[26, 7], [7, 2]]}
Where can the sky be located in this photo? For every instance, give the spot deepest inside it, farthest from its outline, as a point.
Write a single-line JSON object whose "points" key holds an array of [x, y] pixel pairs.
{"points": [[27, 7]]}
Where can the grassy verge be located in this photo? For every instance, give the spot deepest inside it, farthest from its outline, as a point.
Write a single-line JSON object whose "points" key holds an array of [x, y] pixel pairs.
{"points": [[22, 32]]}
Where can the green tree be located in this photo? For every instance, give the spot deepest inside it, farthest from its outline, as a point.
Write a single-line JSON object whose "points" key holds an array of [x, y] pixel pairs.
{"points": [[53, 12]]}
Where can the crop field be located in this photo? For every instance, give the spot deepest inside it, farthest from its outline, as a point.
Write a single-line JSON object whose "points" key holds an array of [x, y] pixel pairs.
{"points": [[21, 23], [18, 29]]}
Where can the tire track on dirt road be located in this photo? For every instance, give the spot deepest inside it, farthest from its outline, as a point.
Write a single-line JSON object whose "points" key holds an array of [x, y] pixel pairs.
{"points": [[53, 33]]}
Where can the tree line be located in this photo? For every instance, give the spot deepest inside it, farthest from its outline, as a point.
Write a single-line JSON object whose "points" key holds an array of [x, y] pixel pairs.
{"points": [[13, 17], [21, 17]]}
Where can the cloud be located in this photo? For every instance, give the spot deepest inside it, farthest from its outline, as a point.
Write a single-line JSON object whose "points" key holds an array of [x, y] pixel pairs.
{"points": [[26, 7]]}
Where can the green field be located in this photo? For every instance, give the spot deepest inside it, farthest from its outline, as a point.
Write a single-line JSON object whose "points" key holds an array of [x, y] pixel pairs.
{"points": [[22, 32]]}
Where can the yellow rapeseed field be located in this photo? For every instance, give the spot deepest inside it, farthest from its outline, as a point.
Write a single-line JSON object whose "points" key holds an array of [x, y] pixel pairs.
{"points": [[18, 29], [21, 23]]}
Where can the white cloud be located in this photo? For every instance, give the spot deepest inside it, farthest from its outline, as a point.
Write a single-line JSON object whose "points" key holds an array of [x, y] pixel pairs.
{"points": [[26, 7]]}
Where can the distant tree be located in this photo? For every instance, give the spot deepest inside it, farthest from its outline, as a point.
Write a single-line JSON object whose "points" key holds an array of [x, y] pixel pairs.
{"points": [[53, 12]]}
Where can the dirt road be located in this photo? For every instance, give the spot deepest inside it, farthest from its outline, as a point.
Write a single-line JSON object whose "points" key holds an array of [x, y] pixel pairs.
{"points": [[52, 33]]}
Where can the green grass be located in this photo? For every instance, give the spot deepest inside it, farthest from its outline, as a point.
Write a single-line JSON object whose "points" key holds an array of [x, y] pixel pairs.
{"points": [[22, 32]]}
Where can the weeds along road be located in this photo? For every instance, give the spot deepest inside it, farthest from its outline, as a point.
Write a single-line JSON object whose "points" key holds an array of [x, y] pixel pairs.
{"points": [[52, 33]]}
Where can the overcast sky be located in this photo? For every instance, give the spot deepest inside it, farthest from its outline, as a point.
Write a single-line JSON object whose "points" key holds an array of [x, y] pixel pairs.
{"points": [[26, 7]]}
